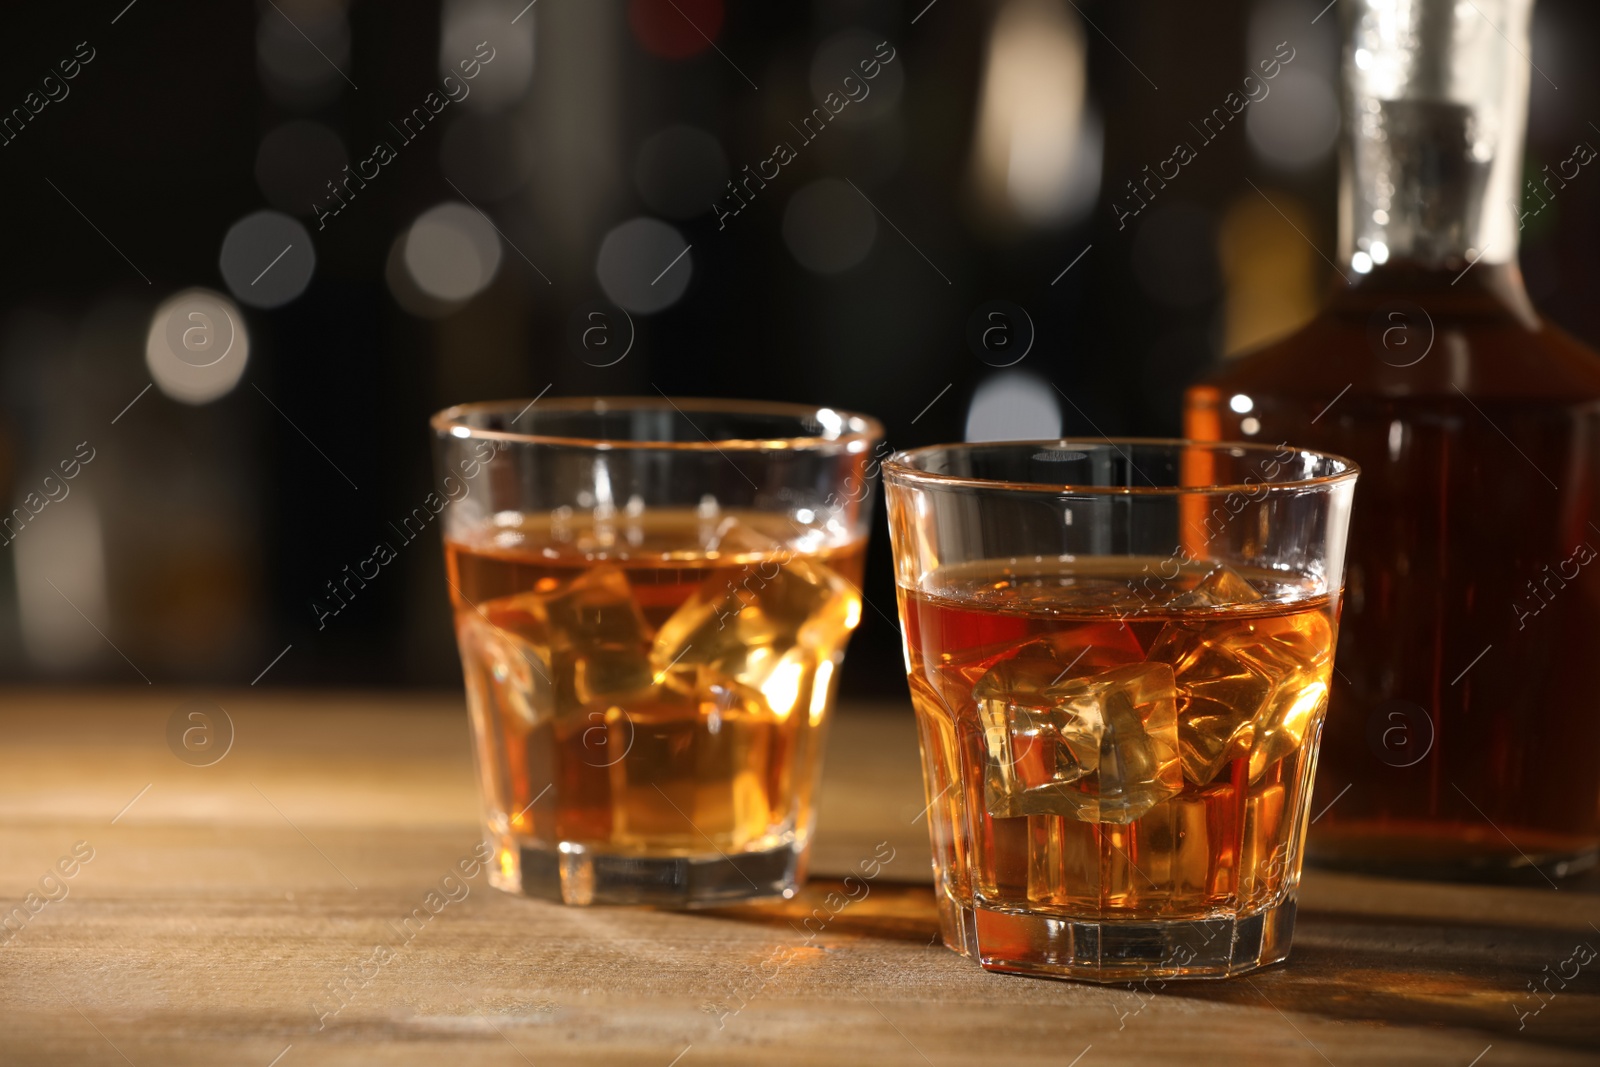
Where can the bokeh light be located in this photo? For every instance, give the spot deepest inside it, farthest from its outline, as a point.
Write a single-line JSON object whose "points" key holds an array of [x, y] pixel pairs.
{"points": [[828, 226], [1296, 126], [452, 252], [61, 582], [197, 346], [267, 259], [404, 289], [1013, 405], [1038, 146], [488, 57], [1270, 272], [644, 266]]}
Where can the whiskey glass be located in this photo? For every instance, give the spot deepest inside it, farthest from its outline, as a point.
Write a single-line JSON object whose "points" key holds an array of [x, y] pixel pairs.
{"points": [[1119, 653], [652, 598]]}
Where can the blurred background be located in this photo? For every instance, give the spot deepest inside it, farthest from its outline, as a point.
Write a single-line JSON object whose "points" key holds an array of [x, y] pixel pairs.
{"points": [[377, 210]]}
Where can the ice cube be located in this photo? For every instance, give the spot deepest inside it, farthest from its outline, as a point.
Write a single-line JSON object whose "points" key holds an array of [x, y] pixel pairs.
{"points": [[1296, 652], [1247, 689], [1290, 642], [1264, 849], [589, 631], [506, 676], [1085, 649], [1186, 845], [1098, 748], [685, 769], [1011, 688], [601, 673], [1298, 702], [734, 537], [1220, 587], [1219, 695], [754, 626], [595, 610]]}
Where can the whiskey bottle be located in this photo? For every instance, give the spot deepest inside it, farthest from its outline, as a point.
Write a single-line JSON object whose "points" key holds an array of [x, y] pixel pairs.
{"points": [[1463, 733]]}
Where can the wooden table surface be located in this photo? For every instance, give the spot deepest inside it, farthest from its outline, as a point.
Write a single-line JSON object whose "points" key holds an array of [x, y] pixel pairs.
{"points": [[220, 902]]}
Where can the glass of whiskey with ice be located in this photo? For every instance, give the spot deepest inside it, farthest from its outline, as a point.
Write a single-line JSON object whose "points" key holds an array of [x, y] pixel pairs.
{"points": [[652, 599], [1119, 654]]}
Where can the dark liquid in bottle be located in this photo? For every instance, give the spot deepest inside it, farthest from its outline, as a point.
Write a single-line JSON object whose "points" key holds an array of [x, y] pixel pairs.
{"points": [[1463, 734]]}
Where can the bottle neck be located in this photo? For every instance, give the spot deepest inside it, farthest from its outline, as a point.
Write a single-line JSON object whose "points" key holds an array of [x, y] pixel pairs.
{"points": [[1436, 101]]}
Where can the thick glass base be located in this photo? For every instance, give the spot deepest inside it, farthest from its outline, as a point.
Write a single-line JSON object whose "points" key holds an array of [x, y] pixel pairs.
{"points": [[1031, 943], [574, 874]]}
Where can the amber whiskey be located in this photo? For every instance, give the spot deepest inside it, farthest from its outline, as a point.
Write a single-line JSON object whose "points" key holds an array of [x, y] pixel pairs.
{"points": [[1094, 756], [658, 686]]}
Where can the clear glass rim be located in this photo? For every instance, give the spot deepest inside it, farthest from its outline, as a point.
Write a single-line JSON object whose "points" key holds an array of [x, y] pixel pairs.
{"points": [[900, 469], [853, 426]]}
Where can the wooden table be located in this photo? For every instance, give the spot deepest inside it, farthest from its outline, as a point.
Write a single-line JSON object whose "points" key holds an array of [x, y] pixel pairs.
{"points": [[221, 901]]}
